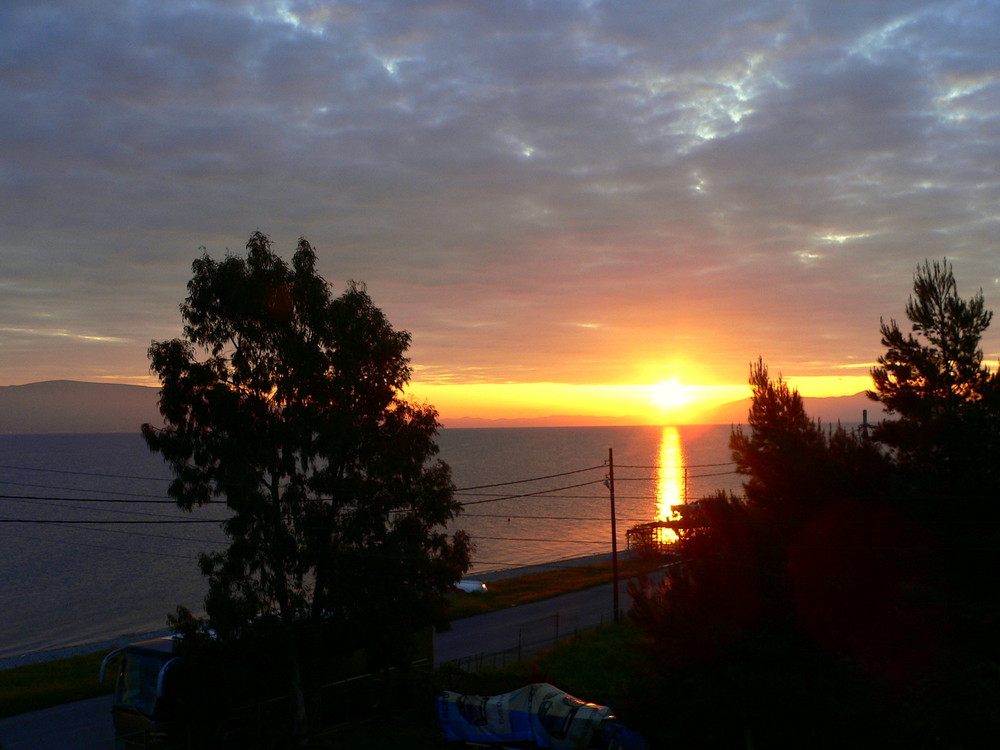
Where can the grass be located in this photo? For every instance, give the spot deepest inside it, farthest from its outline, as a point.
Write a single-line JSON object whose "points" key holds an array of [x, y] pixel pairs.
{"points": [[593, 666], [394, 733], [534, 587], [590, 666], [36, 686]]}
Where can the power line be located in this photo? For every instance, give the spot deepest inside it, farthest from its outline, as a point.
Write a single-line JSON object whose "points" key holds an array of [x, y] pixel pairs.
{"points": [[131, 534], [80, 489], [690, 476], [62, 503], [504, 565], [548, 518], [84, 473], [686, 466], [166, 479], [534, 494], [552, 541], [488, 498], [115, 521], [84, 499], [460, 489], [58, 503], [504, 494], [155, 553], [533, 479]]}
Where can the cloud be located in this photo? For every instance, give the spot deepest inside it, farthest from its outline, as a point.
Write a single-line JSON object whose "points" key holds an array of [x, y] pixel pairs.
{"points": [[537, 191]]}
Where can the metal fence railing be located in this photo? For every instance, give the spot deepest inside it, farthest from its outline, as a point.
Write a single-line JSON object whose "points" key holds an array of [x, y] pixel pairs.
{"points": [[267, 724], [533, 638]]}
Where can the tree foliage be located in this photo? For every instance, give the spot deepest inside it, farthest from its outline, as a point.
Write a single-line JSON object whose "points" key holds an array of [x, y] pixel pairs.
{"points": [[285, 403], [943, 428], [781, 448], [938, 366], [793, 464], [855, 584], [932, 380]]}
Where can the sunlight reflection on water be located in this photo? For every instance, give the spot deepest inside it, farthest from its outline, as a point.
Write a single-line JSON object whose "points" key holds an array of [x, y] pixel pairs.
{"points": [[671, 480], [671, 475]]}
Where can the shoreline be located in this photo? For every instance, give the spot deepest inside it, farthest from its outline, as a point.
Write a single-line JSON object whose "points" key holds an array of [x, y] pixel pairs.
{"points": [[560, 564], [66, 652]]}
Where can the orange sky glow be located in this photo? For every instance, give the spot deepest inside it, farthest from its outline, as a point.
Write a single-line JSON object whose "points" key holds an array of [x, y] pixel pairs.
{"points": [[571, 213], [668, 402]]}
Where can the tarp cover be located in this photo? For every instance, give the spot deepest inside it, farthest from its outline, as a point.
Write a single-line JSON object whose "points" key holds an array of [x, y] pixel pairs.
{"points": [[538, 714]]}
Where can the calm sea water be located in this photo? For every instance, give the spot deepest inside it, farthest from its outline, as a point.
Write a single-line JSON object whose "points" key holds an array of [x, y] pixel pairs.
{"points": [[92, 548]]}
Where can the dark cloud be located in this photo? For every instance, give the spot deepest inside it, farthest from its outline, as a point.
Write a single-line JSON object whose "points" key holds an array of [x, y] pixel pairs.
{"points": [[537, 191]]}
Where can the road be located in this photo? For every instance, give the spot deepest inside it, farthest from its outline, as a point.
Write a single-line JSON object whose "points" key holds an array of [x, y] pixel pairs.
{"points": [[83, 725], [86, 725], [528, 625]]}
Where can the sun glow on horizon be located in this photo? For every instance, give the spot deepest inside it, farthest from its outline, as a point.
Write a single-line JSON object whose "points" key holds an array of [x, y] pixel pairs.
{"points": [[670, 402], [664, 402]]}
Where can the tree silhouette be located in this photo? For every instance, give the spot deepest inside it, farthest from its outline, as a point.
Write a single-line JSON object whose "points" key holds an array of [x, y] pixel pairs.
{"points": [[933, 378], [780, 452], [944, 425], [850, 598], [286, 403], [793, 464]]}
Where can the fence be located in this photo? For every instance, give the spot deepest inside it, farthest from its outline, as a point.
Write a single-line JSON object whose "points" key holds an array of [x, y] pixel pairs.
{"points": [[267, 724], [533, 638], [339, 704]]}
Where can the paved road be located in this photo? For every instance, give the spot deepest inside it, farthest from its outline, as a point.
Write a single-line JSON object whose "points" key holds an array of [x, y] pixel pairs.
{"points": [[538, 623], [86, 725]]}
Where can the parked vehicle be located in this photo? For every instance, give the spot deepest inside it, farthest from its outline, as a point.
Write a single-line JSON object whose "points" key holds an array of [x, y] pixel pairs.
{"points": [[166, 698], [142, 707], [470, 586], [536, 716]]}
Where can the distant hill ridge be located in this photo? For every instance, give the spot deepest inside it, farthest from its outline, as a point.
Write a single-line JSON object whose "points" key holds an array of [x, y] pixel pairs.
{"points": [[70, 406], [829, 410]]}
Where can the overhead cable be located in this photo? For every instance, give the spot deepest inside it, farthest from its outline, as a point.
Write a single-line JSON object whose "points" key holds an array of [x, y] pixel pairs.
{"points": [[533, 494], [686, 466], [84, 473], [115, 521], [84, 499], [533, 479], [550, 541], [155, 553]]}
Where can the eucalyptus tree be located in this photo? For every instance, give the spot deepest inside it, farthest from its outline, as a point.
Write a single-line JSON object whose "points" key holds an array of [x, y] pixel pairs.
{"points": [[286, 403]]}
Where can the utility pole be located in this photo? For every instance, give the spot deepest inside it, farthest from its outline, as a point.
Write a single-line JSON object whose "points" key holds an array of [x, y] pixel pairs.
{"points": [[864, 424], [614, 531]]}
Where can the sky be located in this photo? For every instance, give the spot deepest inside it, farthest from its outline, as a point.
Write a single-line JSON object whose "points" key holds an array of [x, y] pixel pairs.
{"points": [[565, 203]]}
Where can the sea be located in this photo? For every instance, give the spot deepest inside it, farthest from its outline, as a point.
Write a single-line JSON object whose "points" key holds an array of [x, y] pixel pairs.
{"points": [[93, 551]]}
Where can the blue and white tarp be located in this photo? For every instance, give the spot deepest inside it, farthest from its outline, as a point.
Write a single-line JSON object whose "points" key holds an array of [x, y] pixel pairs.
{"points": [[538, 714]]}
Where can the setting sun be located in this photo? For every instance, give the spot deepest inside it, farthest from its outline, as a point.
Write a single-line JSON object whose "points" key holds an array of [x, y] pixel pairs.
{"points": [[669, 402], [670, 394]]}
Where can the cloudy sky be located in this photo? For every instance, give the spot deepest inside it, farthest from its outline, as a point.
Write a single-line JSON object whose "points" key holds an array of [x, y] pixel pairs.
{"points": [[549, 191]]}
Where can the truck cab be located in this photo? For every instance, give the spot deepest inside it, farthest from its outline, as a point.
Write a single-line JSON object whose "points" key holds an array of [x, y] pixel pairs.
{"points": [[142, 704]]}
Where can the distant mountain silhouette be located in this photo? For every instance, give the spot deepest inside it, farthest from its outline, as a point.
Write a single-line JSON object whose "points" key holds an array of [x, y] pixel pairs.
{"points": [[69, 406], [555, 420], [846, 409], [829, 410]]}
